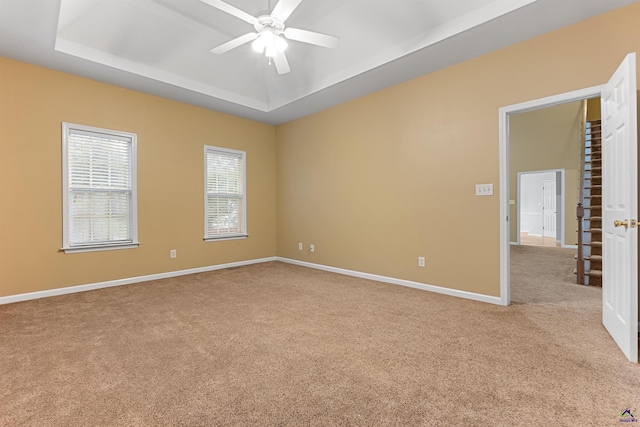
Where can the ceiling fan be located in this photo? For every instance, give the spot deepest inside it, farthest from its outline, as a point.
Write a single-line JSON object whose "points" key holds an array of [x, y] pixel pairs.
{"points": [[269, 31]]}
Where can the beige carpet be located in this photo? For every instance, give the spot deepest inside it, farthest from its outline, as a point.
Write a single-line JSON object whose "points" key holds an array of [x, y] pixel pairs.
{"points": [[280, 345]]}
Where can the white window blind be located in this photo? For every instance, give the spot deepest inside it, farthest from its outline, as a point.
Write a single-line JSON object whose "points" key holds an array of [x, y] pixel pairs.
{"points": [[100, 200], [225, 200]]}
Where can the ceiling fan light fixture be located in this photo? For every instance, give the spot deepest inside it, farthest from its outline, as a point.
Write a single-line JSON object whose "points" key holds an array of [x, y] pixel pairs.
{"points": [[270, 43], [262, 41], [258, 45], [280, 44], [270, 52]]}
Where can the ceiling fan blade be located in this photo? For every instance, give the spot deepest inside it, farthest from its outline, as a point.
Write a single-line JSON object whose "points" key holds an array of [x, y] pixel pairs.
{"points": [[234, 43], [284, 8], [311, 37], [231, 10], [282, 65]]}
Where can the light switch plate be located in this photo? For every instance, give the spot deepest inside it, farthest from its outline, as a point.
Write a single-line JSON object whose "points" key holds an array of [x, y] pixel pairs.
{"points": [[484, 189]]}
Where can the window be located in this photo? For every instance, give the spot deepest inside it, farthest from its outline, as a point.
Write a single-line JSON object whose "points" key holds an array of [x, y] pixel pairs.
{"points": [[224, 193], [99, 189]]}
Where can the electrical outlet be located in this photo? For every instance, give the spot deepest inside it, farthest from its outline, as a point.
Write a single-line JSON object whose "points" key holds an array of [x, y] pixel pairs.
{"points": [[484, 189], [299, 246], [420, 261], [172, 253], [312, 248]]}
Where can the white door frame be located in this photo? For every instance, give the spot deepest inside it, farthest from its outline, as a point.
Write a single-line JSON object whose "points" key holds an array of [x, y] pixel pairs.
{"points": [[504, 112], [545, 207], [560, 229]]}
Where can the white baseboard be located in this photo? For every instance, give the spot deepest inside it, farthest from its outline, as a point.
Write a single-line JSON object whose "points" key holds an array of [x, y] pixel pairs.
{"points": [[92, 286], [394, 281], [120, 282]]}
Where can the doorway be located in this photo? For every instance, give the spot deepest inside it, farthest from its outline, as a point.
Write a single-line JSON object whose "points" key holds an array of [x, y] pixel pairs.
{"points": [[540, 213], [506, 197], [620, 248]]}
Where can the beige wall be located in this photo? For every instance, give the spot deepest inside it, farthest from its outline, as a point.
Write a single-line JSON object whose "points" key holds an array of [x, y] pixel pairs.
{"points": [[549, 138], [377, 182], [373, 183], [33, 104], [593, 109]]}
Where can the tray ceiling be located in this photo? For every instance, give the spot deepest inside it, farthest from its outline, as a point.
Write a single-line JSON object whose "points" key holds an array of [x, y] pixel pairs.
{"points": [[163, 46]]}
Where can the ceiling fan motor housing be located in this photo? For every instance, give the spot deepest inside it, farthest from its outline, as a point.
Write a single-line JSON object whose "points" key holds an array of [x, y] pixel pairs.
{"points": [[267, 21]]}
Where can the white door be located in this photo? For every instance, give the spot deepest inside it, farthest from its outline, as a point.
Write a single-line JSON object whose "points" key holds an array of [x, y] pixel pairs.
{"points": [[549, 208], [620, 204]]}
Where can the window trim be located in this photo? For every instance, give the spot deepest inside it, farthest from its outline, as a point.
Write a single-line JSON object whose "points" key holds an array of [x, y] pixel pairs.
{"points": [[234, 236], [133, 219]]}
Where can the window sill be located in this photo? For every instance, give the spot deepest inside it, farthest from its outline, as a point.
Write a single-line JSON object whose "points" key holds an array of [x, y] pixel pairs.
{"points": [[229, 237], [96, 248]]}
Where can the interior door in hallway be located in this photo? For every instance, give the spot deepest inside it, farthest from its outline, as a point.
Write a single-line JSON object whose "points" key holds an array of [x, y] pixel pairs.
{"points": [[549, 208], [620, 208]]}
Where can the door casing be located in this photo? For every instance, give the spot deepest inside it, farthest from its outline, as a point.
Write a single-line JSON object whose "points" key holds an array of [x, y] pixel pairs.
{"points": [[559, 203], [504, 112]]}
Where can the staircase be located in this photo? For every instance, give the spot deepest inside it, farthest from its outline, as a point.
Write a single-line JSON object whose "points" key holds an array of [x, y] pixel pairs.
{"points": [[589, 212]]}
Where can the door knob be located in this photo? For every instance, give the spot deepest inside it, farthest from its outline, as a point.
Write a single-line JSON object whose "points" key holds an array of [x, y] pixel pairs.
{"points": [[624, 224]]}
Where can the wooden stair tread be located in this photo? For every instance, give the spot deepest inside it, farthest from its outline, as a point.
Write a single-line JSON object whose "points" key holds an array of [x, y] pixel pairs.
{"points": [[589, 187], [592, 258], [590, 273], [594, 244], [593, 230]]}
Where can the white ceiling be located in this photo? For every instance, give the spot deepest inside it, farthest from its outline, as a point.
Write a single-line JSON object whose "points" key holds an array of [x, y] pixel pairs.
{"points": [[163, 47]]}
